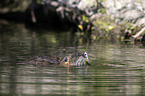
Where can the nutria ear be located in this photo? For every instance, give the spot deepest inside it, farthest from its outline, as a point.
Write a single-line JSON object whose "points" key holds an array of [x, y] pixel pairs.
{"points": [[65, 59]]}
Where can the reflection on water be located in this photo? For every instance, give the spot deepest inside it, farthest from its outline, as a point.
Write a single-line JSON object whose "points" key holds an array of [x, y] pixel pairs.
{"points": [[117, 68]]}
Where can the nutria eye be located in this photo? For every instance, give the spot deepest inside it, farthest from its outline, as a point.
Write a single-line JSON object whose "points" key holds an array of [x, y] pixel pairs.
{"points": [[85, 53]]}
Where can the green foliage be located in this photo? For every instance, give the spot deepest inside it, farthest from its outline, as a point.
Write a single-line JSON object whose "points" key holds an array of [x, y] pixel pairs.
{"points": [[104, 25], [91, 2], [85, 18], [102, 10], [39, 1], [129, 26], [140, 1], [110, 27]]}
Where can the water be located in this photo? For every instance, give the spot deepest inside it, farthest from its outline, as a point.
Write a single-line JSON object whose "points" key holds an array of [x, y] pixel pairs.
{"points": [[117, 68]]}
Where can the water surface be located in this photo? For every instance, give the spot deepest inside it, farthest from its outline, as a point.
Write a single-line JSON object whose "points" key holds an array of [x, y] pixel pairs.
{"points": [[117, 68]]}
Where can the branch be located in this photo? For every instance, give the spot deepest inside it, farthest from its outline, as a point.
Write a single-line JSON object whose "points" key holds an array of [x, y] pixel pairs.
{"points": [[140, 32]]}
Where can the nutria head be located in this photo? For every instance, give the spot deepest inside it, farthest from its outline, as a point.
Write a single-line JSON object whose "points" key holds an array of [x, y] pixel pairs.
{"points": [[77, 59]]}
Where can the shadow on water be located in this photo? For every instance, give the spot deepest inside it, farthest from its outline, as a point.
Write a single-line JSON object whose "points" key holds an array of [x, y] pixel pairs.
{"points": [[116, 68]]}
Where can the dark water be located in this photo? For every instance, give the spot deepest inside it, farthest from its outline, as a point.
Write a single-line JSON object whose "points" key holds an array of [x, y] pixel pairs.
{"points": [[117, 69]]}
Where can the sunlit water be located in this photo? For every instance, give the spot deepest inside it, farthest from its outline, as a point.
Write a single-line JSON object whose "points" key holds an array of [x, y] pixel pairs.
{"points": [[116, 68]]}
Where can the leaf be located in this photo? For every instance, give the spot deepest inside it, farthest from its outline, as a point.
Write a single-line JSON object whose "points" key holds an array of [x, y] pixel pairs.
{"points": [[85, 18], [80, 26], [110, 27]]}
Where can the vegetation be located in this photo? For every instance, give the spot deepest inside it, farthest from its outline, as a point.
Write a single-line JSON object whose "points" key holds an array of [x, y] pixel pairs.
{"points": [[100, 18]]}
